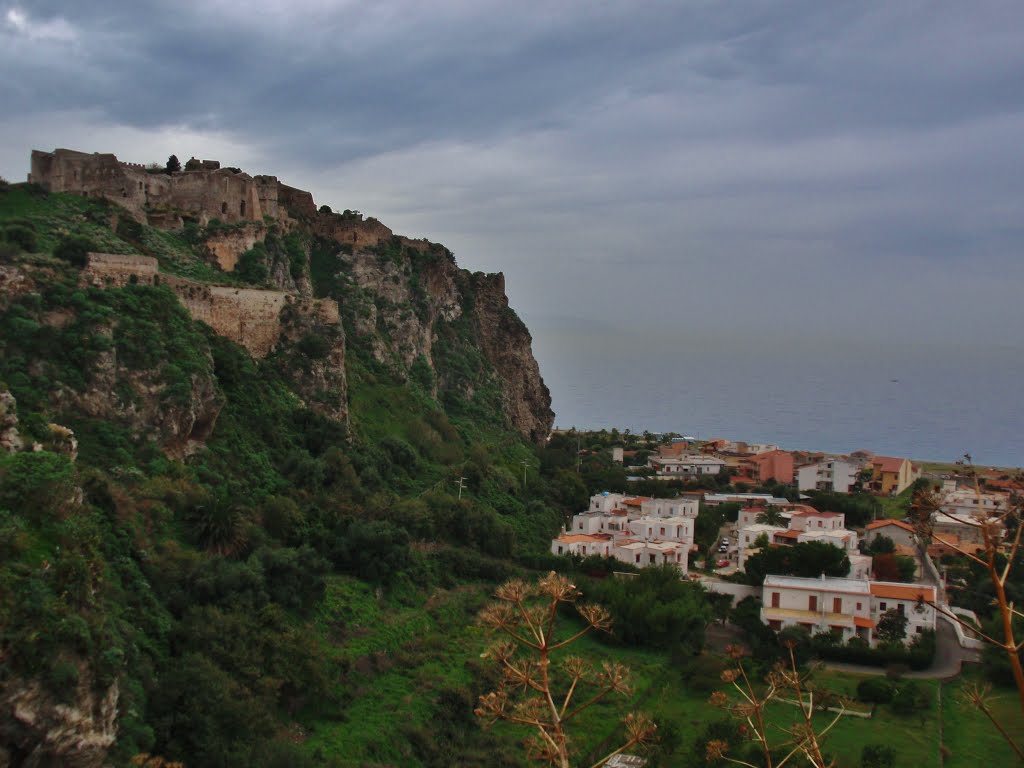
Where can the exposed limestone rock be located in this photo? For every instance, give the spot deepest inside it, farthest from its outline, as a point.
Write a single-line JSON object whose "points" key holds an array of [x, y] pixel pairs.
{"points": [[63, 440], [313, 350], [227, 245], [39, 731], [178, 426], [10, 440], [506, 342]]}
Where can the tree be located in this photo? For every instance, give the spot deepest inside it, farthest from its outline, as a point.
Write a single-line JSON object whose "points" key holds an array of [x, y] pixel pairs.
{"points": [[75, 250], [540, 688], [881, 545], [892, 627], [770, 516], [173, 164], [808, 558]]}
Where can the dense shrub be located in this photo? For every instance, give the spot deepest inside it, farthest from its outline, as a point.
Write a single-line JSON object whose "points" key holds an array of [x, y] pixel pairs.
{"points": [[21, 236], [74, 250], [875, 690]]}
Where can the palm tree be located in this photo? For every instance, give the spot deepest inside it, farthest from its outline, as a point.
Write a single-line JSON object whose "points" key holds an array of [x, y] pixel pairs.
{"points": [[771, 516]]}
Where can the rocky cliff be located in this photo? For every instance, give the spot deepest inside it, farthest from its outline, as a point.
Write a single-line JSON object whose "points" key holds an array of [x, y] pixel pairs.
{"points": [[396, 294]]}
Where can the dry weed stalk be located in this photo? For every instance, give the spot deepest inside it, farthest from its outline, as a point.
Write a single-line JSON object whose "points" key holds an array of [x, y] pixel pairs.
{"points": [[538, 691], [800, 739]]}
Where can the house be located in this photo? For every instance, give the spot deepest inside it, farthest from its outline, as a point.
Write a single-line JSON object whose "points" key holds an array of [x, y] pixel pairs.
{"points": [[773, 465], [967, 529], [851, 607], [802, 524], [968, 501], [901, 533], [686, 466], [891, 476], [633, 529], [835, 475]]}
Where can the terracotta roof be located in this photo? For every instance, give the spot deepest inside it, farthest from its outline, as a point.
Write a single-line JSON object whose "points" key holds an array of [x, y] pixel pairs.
{"points": [[887, 463], [788, 534], [862, 621], [883, 523], [903, 591], [816, 513], [636, 501]]}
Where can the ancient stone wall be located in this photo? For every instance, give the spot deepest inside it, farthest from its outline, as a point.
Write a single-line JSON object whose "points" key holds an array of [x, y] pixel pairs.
{"points": [[116, 270], [227, 246], [297, 202], [352, 231]]}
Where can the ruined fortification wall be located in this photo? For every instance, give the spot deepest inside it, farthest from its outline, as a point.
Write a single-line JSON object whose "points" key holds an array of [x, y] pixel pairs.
{"points": [[250, 317], [352, 231], [297, 202], [116, 270]]}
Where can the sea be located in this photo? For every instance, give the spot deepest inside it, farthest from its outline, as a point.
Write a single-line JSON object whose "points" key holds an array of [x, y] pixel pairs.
{"points": [[929, 401]]}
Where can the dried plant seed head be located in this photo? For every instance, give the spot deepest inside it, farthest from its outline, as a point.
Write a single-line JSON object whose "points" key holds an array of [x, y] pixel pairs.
{"points": [[557, 588], [730, 675], [718, 699], [596, 616], [715, 750]]}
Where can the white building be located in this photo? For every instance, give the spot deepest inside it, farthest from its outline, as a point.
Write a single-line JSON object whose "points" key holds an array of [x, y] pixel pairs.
{"points": [[803, 525], [632, 529], [714, 499], [852, 607], [828, 475], [967, 501], [690, 465]]}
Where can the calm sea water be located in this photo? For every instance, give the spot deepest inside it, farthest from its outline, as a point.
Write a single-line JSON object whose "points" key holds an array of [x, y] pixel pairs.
{"points": [[926, 401]]}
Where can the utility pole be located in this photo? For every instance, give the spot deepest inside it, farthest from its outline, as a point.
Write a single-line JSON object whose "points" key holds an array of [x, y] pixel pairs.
{"points": [[461, 485]]}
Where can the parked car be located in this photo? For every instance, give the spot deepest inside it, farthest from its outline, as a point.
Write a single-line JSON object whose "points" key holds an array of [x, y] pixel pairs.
{"points": [[722, 563]]}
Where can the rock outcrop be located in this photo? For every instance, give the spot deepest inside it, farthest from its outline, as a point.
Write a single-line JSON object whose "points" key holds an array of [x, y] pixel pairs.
{"points": [[40, 730], [506, 342], [10, 439]]}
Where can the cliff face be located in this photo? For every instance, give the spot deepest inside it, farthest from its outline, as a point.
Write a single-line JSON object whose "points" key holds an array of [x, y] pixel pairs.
{"points": [[506, 342], [396, 291]]}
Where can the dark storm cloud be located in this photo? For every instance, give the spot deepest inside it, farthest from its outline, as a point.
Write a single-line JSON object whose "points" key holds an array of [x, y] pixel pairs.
{"points": [[686, 151]]}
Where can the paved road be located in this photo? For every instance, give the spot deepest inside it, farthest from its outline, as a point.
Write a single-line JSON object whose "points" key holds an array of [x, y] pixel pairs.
{"points": [[949, 657]]}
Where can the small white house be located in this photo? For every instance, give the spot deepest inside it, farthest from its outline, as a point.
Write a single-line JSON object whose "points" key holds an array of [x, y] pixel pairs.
{"points": [[691, 465]]}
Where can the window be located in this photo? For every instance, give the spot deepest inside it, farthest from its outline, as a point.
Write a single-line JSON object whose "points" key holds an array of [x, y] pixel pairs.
{"points": [[223, 207], [775, 624], [899, 609], [638, 557], [652, 558], [775, 599], [837, 605], [662, 531], [812, 603], [918, 630], [584, 550], [559, 550], [881, 606], [859, 607]]}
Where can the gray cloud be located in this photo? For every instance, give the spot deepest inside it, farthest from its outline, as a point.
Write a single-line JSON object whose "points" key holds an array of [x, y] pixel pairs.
{"points": [[850, 166]]}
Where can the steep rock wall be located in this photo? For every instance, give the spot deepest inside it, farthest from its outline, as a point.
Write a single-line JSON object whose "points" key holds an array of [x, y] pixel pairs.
{"points": [[507, 344]]}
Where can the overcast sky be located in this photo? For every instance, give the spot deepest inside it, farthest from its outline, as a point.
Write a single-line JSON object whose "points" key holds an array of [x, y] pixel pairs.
{"points": [[816, 168]]}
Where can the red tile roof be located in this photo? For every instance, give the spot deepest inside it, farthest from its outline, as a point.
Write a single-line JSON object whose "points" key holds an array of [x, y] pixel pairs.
{"points": [[903, 591], [861, 621], [883, 523], [887, 463]]}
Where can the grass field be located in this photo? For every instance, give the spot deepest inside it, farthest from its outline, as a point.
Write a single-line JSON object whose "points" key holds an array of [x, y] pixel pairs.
{"points": [[402, 655]]}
